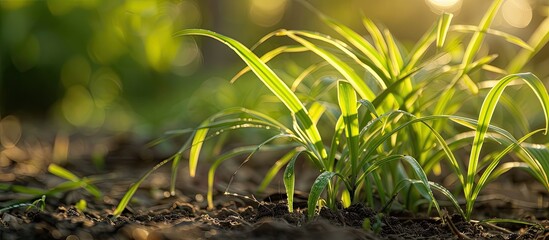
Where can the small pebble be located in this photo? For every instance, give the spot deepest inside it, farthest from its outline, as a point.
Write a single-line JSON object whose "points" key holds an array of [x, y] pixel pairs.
{"points": [[72, 237], [10, 220], [140, 233]]}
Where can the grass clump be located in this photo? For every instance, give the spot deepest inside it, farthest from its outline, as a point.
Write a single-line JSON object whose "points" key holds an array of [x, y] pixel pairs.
{"points": [[396, 116], [29, 193]]}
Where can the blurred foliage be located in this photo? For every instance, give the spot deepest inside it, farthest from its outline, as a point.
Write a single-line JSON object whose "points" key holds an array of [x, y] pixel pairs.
{"points": [[98, 65], [91, 63]]}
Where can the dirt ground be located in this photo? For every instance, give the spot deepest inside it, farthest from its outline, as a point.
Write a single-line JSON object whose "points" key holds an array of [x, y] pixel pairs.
{"points": [[153, 214]]}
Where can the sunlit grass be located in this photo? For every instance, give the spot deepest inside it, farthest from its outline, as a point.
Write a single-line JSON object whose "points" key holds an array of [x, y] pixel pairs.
{"points": [[72, 182], [394, 113]]}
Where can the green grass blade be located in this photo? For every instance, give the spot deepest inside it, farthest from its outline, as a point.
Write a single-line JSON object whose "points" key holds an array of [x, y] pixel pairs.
{"points": [[442, 28], [273, 82], [321, 88], [240, 122], [480, 63], [355, 39], [472, 124], [392, 90], [289, 181], [169, 135], [338, 130], [537, 41], [521, 121], [471, 85], [38, 203], [305, 73], [211, 172], [250, 150], [70, 185], [266, 120], [432, 185], [487, 174], [505, 167], [316, 111], [395, 57], [347, 71], [506, 36], [238, 151], [456, 142], [175, 169], [360, 43], [196, 145], [133, 188], [378, 38], [511, 39], [539, 167], [93, 190], [468, 57], [418, 51], [478, 36], [269, 56], [426, 190], [62, 172], [396, 190], [345, 198], [375, 143], [416, 167], [448, 195], [269, 176], [318, 187], [376, 164], [22, 189], [369, 105], [199, 136], [348, 104], [494, 69], [485, 116], [66, 174], [201, 133]]}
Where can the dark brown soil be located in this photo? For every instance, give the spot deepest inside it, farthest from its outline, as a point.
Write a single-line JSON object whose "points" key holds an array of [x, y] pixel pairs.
{"points": [[179, 218], [154, 215]]}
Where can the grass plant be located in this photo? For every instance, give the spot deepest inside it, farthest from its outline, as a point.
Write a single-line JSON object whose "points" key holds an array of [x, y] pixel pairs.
{"points": [[394, 119], [72, 182]]}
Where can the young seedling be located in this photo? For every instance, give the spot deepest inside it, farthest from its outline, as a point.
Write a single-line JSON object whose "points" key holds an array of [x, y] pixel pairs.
{"points": [[371, 154]]}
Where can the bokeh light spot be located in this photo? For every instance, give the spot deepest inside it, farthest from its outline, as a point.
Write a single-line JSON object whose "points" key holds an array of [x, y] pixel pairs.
{"points": [[187, 59], [439, 6], [77, 105], [161, 47], [10, 131], [444, 3], [267, 13], [185, 13], [105, 87], [517, 13], [106, 46]]}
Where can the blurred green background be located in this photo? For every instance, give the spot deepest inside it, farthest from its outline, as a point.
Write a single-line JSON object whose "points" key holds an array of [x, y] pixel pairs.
{"points": [[113, 66]]}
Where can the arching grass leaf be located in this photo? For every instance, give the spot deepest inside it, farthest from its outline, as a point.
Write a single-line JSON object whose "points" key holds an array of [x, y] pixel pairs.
{"points": [[318, 187]]}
